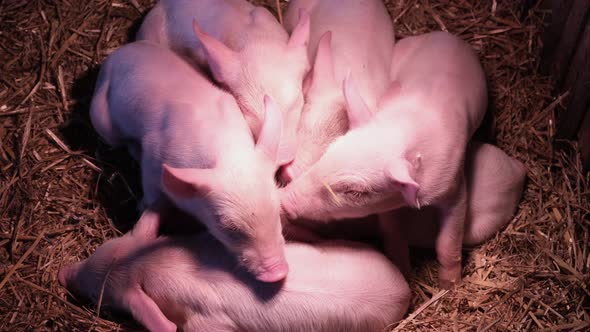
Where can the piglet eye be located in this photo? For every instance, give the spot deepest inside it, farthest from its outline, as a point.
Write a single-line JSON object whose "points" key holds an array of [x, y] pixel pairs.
{"points": [[356, 193], [236, 235]]}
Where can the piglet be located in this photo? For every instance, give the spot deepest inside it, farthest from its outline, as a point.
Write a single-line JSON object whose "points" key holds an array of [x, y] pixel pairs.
{"points": [[246, 49], [345, 36], [194, 284], [195, 147], [494, 181], [409, 150]]}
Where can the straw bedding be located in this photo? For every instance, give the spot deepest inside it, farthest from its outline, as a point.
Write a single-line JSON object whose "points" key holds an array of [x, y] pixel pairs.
{"points": [[63, 192]]}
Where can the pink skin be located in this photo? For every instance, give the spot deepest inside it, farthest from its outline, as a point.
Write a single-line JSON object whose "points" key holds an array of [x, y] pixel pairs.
{"points": [[193, 144], [193, 283], [409, 150], [495, 183], [364, 49], [246, 50]]}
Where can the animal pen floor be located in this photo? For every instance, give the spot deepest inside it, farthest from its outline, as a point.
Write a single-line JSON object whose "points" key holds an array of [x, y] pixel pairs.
{"points": [[63, 192]]}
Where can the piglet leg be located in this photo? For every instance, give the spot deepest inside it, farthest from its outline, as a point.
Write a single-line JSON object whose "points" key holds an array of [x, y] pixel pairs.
{"points": [[450, 239], [145, 311], [148, 224], [394, 241]]}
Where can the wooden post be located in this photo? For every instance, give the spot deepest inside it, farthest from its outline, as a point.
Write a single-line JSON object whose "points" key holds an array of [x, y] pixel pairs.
{"points": [[552, 35], [577, 81], [563, 37], [584, 141]]}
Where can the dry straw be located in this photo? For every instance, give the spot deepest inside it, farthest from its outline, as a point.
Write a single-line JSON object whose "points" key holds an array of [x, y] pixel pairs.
{"points": [[63, 193]]}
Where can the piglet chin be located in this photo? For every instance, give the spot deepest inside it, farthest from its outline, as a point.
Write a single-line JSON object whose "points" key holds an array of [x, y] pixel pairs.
{"points": [[274, 273]]}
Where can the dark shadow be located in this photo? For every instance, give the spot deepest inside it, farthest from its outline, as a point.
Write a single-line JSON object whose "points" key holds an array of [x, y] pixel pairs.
{"points": [[119, 183], [134, 28], [210, 255], [487, 131], [119, 188]]}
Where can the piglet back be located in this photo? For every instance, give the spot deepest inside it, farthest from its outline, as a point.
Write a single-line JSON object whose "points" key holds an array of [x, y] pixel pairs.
{"points": [[328, 289]]}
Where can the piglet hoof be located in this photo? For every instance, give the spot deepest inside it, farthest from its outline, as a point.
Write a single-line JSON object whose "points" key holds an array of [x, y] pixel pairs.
{"points": [[448, 277]]}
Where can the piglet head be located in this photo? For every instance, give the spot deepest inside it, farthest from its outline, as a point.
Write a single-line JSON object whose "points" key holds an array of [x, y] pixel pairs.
{"points": [[361, 173], [269, 68], [353, 179], [241, 200], [86, 278]]}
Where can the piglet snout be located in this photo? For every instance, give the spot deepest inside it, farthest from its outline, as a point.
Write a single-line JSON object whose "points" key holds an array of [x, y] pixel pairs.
{"points": [[66, 274], [61, 276], [273, 271]]}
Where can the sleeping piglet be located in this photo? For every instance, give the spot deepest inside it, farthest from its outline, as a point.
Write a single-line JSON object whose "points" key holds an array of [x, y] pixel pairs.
{"points": [[345, 36], [495, 184], [195, 147], [194, 284], [246, 49], [409, 150]]}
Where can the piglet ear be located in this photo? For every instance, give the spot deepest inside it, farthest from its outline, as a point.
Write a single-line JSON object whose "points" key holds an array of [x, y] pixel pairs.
{"points": [[187, 182], [300, 35], [270, 134], [146, 311], [399, 173], [222, 60], [358, 111], [323, 67]]}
